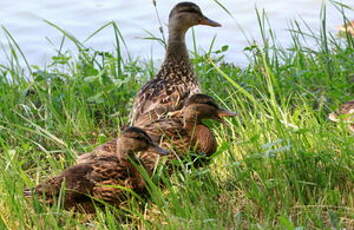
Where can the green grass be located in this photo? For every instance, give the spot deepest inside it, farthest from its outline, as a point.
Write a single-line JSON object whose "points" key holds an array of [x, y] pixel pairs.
{"points": [[280, 165]]}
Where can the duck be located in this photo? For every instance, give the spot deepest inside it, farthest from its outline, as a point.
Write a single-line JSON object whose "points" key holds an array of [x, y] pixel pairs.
{"points": [[183, 131], [100, 178], [176, 80], [345, 113]]}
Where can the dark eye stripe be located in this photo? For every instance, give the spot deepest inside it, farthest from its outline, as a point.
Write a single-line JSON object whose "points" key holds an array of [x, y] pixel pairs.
{"points": [[212, 104], [143, 138]]}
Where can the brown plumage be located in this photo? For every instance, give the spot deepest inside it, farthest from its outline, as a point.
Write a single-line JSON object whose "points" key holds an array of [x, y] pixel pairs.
{"points": [[101, 176], [176, 80], [181, 132], [345, 113], [184, 131]]}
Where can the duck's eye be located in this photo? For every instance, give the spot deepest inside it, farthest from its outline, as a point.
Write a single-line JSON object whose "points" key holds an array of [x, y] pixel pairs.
{"points": [[139, 138], [211, 104]]}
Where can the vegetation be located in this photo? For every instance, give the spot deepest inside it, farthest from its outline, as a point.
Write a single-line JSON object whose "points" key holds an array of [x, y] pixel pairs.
{"points": [[280, 164]]}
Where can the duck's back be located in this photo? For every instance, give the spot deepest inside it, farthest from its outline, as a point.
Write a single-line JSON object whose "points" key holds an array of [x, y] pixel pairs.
{"points": [[102, 178], [170, 134], [176, 80], [167, 92]]}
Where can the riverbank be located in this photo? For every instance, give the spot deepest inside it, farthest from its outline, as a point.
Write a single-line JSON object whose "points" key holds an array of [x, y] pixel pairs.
{"points": [[281, 164]]}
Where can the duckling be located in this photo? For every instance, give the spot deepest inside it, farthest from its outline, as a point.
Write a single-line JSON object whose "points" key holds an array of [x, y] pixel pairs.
{"points": [[183, 130], [101, 177], [176, 80], [346, 111]]}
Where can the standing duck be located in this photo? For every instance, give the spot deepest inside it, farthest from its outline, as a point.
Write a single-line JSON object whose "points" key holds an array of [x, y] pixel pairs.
{"points": [[176, 80], [184, 131], [101, 177], [345, 113]]}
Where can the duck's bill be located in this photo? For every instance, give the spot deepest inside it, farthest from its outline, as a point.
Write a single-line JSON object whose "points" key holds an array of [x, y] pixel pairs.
{"points": [[158, 149], [208, 22], [226, 113], [222, 113]]}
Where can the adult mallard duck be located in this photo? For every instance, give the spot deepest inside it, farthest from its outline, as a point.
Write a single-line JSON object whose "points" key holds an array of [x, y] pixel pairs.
{"points": [[101, 177], [184, 131], [176, 80], [345, 113]]}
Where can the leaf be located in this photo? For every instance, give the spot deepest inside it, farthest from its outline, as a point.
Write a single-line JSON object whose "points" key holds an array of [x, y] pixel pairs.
{"points": [[91, 78], [96, 98]]}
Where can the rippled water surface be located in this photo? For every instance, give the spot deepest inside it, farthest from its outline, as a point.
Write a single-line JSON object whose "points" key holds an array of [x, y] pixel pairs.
{"points": [[24, 19]]}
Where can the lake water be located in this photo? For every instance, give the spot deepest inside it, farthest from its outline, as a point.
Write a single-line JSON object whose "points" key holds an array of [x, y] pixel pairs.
{"points": [[24, 19]]}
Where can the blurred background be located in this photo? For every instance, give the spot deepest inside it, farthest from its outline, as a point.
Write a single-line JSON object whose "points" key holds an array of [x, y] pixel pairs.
{"points": [[38, 40]]}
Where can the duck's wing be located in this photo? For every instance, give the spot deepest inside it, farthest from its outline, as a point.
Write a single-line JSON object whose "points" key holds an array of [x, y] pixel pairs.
{"points": [[112, 178], [106, 148], [73, 180], [170, 134], [47, 189], [163, 128], [160, 96]]}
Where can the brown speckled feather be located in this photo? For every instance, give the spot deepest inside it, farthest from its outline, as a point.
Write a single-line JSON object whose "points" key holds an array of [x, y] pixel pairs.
{"points": [[109, 147], [176, 80], [109, 173], [99, 179], [105, 174], [167, 92], [170, 134]]}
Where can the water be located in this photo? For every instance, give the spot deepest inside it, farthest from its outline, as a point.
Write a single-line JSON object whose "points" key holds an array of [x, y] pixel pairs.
{"points": [[24, 19]]}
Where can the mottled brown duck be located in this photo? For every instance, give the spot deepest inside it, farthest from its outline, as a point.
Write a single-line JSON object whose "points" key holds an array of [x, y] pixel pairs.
{"points": [[180, 132], [184, 132], [176, 80], [344, 114], [100, 178]]}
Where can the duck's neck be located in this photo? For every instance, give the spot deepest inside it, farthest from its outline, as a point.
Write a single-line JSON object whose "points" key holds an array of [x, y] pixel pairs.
{"points": [[201, 136], [176, 46], [125, 155], [122, 153], [190, 126]]}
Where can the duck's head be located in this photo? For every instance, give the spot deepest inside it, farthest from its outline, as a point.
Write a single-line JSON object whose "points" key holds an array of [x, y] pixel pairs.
{"points": [[201, 106], [133, 140], [187, 14]]}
